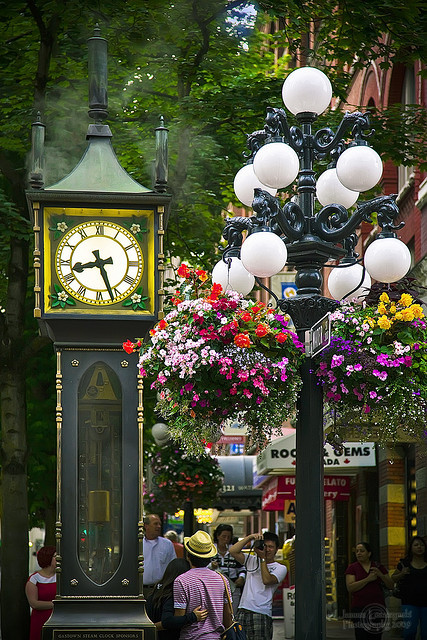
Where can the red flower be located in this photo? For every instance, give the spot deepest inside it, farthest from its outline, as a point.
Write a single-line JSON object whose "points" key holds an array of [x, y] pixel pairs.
{"points": [[281, 337], [183, 271], [257, 307], [128, 346], [215, 292], [162, 324], [261, 330], [203, 276], [242, 340], [246, 317]]}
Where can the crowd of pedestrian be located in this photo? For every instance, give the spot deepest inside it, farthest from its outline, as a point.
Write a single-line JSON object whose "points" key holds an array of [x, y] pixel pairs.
{"points": [[198, 589], [192, 599]]}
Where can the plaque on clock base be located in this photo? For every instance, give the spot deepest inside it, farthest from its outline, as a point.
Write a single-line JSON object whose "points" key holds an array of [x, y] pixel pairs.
{"points": [[99, 619]]}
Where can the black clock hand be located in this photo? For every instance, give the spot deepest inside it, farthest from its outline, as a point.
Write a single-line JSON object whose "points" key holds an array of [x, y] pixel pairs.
{"points": [[103, 272], [98, 262]]}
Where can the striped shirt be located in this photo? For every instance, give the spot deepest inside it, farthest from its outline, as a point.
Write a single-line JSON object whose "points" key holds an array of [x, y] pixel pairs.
{"points": [[201, 587]]}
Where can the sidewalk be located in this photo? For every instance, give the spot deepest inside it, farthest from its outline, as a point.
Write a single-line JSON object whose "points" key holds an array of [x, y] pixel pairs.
{"points": [[335, 630]]}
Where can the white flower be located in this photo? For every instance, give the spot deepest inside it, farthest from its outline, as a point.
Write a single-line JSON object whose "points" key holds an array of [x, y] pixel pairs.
{"points": [[62, 226], [136, 298], [62, 295], [135, 228]]}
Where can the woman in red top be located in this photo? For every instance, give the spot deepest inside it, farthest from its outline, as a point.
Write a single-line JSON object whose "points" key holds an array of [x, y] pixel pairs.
{"points": [[365, 580], [41, 590]]}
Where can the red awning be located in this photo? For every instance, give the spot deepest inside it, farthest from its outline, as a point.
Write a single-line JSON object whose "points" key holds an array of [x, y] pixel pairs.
{"points": [[281, 488]]}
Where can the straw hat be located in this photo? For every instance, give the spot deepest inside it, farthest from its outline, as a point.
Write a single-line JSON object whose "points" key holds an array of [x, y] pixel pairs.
{"points": [[200, 545]]}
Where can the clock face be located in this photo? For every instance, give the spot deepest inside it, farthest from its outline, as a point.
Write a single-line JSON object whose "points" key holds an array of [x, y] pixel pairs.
{"points": [[99, 262]]}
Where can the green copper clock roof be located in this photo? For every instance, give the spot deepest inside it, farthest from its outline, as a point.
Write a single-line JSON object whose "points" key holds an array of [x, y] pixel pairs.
{"points": [[99, 169]]}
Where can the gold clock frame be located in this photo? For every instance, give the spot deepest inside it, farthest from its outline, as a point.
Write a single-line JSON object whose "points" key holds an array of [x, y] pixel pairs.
{"points": [[51, 239]]}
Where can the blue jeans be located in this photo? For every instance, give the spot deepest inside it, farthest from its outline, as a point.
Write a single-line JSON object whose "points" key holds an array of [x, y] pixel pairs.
{"points": [[411, 617]]}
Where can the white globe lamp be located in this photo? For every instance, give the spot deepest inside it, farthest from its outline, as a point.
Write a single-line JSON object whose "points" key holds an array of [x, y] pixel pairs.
{"points": [[348, 283], [387, 259], [276, 165], [160, 433], [329, 190], [245, 182], [359, 168], [233, 276], [307, 90], [263, 254]]}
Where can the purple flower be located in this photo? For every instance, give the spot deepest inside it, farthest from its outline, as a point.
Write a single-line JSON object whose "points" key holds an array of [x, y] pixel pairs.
{"points": [[336, 361], [382, 375]]}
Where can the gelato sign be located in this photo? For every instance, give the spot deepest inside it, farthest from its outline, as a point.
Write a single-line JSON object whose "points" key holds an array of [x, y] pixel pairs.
{"points": [[280, 456]]}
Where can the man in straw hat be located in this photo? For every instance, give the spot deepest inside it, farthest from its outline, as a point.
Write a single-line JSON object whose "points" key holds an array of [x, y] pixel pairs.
{"points": [[202, 587]]}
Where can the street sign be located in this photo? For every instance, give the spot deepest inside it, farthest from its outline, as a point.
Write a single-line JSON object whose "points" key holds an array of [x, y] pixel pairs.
{"points": [[318, 337]]}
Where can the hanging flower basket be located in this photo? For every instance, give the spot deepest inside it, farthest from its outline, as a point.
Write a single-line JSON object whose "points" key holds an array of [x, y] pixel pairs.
{"points": [[217, 356], [374, 373], [178, 478]]}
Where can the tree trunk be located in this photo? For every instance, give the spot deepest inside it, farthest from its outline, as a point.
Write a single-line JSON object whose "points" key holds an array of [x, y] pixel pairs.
{"points": [[14, 523]]}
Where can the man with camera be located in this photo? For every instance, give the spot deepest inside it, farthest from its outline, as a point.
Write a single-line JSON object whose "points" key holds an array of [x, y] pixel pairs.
{"points": [[262, 579]]}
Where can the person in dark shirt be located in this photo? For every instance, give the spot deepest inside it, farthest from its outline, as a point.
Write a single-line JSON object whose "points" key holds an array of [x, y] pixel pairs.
{"points": [[364, 580], [160, 605], [411, 576]]}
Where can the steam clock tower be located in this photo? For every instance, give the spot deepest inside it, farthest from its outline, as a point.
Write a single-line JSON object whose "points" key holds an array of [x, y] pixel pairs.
{"points": [[98, 262]]}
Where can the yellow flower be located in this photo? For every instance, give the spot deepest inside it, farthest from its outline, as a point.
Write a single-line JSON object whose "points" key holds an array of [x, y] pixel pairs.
{"points": [[405, 300], [398, 316], [417, 311], [393, 309], [382, 308], [384, 323], [408, 315], [371, 322], [384, 297]]}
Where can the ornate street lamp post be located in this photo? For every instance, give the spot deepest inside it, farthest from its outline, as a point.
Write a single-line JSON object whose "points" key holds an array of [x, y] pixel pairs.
{"points": [[307, 236]]}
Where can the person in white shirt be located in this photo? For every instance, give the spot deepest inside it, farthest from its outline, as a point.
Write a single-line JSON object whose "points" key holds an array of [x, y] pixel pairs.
{"points": [[263, 576], [158, 552]]}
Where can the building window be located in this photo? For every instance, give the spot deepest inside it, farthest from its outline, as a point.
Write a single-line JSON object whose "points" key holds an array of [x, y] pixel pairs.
{"points": [[404, 173]]}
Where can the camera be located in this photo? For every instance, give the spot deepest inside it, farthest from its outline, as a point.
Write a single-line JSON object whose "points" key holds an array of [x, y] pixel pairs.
{"points": [[259, 544]]}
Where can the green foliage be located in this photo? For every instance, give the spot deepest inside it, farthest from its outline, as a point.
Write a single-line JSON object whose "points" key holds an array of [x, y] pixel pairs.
{"points": [[41, 436], [343, 29]]}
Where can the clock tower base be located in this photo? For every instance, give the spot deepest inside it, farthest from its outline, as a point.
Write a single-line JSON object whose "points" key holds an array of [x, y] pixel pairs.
{"points": [[96, 619]]}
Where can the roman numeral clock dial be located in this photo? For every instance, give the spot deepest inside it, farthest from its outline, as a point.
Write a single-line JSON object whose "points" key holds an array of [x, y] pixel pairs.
{"points": [[99, 263]]}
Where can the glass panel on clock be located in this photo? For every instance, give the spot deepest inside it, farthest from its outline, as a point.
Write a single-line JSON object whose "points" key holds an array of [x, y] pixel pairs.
{"points": [[100, 472]]}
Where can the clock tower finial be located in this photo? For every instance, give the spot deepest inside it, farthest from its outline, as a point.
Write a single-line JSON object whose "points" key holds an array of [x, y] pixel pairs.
{"points": [[97, 63]]}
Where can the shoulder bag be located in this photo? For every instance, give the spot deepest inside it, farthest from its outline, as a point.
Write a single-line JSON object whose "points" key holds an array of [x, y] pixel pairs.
{"points": [[235, 631]]}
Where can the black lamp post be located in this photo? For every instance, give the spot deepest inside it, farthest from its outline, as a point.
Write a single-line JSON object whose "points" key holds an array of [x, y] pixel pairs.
{"points": [[308, 236]]}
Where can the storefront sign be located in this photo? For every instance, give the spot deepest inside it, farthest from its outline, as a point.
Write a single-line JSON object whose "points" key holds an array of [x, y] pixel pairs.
{"points": [[281, 489], [280, 456], [231, 440], [289, 511]]}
